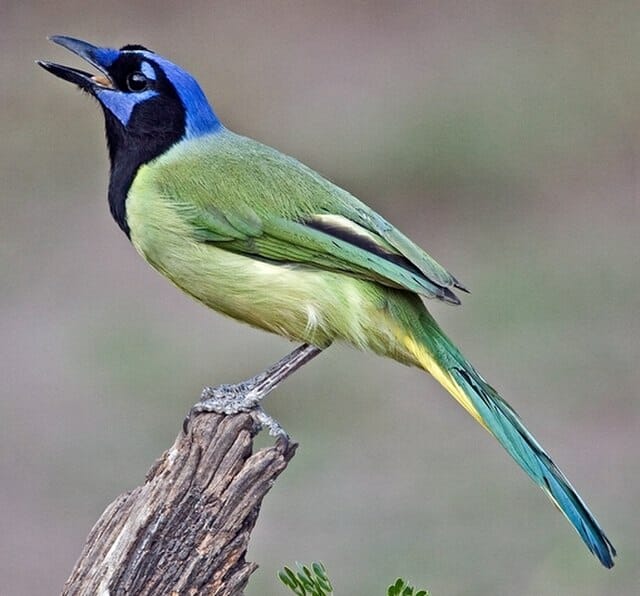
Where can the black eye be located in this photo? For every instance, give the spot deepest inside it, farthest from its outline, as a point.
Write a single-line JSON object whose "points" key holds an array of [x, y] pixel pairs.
{"points": [[137, 82]]}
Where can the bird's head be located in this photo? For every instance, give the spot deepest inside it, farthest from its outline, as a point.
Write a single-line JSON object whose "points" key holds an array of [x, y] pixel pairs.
{"points": [[147, 100], [149, 105]]}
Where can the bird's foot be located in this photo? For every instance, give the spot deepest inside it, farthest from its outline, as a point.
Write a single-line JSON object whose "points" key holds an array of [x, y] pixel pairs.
{"points": [[233, 399], [246, 396], [270, 424], [229, 399]]}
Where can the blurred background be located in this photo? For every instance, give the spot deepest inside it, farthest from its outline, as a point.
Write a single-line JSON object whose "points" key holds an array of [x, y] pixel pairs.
{"points": [[502, 136]]}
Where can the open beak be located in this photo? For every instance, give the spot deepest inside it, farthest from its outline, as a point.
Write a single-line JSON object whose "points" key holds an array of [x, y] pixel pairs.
{"points": [[100, 58]]}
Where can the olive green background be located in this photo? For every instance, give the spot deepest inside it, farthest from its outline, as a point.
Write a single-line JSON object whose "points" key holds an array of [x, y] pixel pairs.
{"points": [[502, 136]]}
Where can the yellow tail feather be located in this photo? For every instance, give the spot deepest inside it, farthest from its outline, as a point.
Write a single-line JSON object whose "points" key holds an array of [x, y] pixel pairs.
{"points": [[429, 364]]}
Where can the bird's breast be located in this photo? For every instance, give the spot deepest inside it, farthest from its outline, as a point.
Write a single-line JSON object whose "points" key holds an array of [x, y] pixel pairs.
{"points": [[277, 297]]}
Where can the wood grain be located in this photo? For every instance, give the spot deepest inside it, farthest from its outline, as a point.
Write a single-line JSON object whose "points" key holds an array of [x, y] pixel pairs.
{"points": [[187, 528]]}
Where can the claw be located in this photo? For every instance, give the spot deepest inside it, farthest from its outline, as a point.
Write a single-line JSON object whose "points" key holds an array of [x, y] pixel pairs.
{"points": [[226, 400], [246, 396], [271, 424]]}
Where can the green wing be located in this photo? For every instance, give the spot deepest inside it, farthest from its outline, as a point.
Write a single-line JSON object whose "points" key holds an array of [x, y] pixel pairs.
{"points": [[248, 198]]}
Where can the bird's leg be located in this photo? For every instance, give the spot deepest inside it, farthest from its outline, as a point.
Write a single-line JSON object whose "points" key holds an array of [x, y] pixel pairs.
{"points": [[246, 395]]}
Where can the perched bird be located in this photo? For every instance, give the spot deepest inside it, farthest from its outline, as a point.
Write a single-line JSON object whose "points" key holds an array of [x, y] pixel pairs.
{"points": [[260, 237]]}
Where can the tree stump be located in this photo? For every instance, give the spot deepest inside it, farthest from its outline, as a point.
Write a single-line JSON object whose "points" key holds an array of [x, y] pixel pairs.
{"points": [[187, 528]]}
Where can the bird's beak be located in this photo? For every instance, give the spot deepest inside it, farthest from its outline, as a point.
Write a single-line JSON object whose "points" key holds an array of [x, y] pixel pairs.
{"points": [[100, 58]]}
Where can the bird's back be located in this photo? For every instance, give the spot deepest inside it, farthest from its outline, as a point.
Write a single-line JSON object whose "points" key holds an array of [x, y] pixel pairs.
{"points": [[231, 172]]}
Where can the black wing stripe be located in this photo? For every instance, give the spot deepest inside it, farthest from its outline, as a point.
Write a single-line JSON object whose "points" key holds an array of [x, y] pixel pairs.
{"points": [[361, 241]]}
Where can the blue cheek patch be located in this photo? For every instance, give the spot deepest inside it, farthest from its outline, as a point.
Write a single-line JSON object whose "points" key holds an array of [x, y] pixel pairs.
{"points": [[121, 104]]}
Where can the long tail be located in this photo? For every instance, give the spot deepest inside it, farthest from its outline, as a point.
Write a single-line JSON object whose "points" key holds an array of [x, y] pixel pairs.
{"points": [[437, 355]]}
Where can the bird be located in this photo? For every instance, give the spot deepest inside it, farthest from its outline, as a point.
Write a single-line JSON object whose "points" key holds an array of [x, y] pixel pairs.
{"points": [[260, 237]]}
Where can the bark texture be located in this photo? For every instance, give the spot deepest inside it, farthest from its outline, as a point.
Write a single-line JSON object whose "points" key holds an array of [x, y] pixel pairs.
{"points": [[186, 529]]}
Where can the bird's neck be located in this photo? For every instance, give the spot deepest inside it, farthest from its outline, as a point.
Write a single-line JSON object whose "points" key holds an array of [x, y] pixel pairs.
{"points": [[123, 173], [139, 143], [127, 153]]}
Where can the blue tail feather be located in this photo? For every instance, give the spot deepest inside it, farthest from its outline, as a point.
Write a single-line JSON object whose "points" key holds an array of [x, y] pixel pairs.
{"points": [[505, 425]]}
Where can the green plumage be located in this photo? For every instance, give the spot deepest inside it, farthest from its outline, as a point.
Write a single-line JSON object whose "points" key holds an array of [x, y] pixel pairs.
{"points": [[230, 221]]}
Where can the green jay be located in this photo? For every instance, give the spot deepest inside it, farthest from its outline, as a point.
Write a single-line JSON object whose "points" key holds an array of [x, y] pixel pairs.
{"points": [[262, 238]]}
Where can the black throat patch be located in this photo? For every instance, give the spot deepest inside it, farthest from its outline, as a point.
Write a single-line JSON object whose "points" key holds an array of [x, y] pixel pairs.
{"points": [[155, 125]]}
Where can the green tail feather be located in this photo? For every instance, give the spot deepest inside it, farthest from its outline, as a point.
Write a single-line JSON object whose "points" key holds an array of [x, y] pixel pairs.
{"points": [[505, 425]]}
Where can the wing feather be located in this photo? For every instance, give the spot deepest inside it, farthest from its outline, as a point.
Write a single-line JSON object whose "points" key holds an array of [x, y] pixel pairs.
{"points": [[273, 207]]}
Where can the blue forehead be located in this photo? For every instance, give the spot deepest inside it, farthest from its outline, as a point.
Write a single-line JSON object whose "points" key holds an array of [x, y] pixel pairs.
{"points": [[104, 56], [200, 117]]}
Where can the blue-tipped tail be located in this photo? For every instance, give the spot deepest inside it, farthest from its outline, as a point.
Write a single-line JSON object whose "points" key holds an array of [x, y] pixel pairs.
{"points": [[505, 425], [441, 358]]}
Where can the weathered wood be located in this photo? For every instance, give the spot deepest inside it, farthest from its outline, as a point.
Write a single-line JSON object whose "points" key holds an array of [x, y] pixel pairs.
{"points": [[186, 529]]}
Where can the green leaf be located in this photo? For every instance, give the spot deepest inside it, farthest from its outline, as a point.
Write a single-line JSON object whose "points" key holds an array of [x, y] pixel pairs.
{"points": [[402, 588], [307, 581], [314, 581]]}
